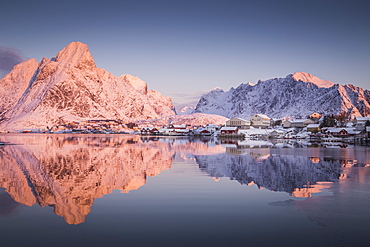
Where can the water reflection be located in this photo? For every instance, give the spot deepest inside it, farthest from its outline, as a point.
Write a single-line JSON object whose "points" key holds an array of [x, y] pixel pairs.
{"points": [[297, 175], [69, 172]]}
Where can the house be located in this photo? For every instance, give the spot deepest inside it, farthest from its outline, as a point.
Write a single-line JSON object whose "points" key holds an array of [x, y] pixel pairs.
{"points": [[212, 127], [367, 132], [175, 130], [360, 120], [229, 130], [179, 132], [353, 132], [177, 126], [203, 132], [260, 121], [276, 122], [238, 122], [301, 123], [277, 134], [287, 124], [337, 132], [149, 131], [313, 128]]}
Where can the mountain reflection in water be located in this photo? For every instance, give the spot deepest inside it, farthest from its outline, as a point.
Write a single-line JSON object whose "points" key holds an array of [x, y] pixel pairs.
{"points": [[68, 172]]}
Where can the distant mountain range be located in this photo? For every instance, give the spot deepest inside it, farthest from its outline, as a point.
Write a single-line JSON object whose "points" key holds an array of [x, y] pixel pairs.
{"points": [[70, 87], [297, 95]]}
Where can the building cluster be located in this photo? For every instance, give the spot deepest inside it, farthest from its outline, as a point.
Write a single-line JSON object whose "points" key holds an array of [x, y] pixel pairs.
{"points": [[89, 126], [181, 130], [258, 126]]}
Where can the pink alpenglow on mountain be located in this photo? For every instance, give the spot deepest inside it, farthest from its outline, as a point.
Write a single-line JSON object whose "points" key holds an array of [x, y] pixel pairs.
{"points": [[70, 87], [306, 77], [297, 95]]}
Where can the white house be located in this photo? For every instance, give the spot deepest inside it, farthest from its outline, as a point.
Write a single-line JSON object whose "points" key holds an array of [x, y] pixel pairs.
{"points": [[301, 123], [287, 124], [260, 121], [359, 122], [314, 128], [212, 127], [238, 122]]}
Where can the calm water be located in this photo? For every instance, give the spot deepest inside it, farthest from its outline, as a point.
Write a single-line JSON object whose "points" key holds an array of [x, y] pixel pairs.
{"points": [[121, 190]]}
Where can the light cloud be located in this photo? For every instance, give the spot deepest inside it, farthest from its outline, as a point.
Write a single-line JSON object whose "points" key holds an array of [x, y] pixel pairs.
{"points": [[8, 58]]}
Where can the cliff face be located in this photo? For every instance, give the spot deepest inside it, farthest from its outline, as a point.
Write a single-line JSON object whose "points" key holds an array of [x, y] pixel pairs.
{"points": [[70, 87], [297, 95]]}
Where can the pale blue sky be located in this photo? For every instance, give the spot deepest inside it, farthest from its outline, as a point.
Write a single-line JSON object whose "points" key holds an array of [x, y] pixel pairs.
{"points": [[185, 48]]}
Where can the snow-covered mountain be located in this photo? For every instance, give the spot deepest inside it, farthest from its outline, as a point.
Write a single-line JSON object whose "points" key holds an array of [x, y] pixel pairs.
{"points": [[186, 110], [297, 95], [70, 87]]}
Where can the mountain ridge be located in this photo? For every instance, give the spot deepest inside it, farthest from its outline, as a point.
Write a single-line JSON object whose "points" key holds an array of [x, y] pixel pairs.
{"points": [[287, 97], [70, 87]]}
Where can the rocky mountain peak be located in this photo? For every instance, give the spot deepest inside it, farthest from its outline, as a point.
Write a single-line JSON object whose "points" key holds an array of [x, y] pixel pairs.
{"points": [[71, 88], [292, 96], [76, 54], [306, 77]]}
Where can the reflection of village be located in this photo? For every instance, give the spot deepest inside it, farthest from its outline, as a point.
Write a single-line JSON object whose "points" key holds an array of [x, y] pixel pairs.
{"points": [[68, 172]]}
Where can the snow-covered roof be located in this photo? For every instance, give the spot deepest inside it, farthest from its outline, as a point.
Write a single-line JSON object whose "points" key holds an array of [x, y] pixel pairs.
{"points": [[148, 128], [353, 132], [229, 128], [278, 131], [238, 118], [300, 120], [363, 119], [262, 116], [336, 130], [313, 125], [367, 128], [181, 130], [212, 125]]}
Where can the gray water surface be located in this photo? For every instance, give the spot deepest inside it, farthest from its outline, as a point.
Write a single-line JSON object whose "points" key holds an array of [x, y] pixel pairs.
{"points": [[122, 190]]}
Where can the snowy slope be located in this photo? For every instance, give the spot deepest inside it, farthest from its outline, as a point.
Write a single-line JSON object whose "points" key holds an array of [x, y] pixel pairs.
{"points": [[70, 87], [194, 119], [297, 95]]}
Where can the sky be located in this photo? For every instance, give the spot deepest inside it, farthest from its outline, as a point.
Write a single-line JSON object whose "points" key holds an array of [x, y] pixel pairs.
{"points": [[185, 48]]}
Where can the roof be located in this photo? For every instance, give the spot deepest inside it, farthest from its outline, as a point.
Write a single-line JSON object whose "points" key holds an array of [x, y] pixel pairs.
{"points": [[229, 128], [148, 128], [212, 125], [262, 116], [278, 131], [367, 128], [336, 130], [363, 118], [313, 125], [301, 120], [238, 118], [181, 130]]}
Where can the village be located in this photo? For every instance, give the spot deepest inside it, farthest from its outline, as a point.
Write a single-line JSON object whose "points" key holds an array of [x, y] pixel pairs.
{"points": [[316, 127]]}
